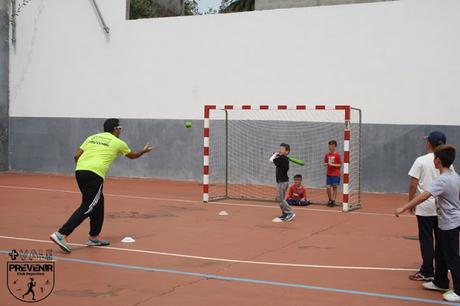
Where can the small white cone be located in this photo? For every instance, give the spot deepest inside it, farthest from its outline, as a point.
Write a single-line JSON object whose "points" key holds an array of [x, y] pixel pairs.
{"points": [[128, 240], [277, 220], [223, 213]]}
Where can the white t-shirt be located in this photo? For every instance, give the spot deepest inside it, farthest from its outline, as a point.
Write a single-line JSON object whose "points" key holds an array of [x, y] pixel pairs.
{"points": [[423, 169]]}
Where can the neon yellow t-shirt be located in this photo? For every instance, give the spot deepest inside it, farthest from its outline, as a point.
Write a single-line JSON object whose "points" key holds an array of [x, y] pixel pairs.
{"points": [[99, 151]]}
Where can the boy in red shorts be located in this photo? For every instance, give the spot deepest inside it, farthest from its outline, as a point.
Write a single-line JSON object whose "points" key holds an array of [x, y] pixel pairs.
{"points": [[297, 195], [333, 163]]}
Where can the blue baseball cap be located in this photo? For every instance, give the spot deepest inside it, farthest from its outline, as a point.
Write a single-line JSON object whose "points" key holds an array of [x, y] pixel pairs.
{"points": [[436, 138]]}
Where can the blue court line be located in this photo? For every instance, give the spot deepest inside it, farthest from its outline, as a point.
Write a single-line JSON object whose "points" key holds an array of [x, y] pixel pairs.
{"points": [[250, 280]]}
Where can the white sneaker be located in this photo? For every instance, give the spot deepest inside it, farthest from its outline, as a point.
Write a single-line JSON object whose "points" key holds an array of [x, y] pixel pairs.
{"points": [[432, 286], [61, 241], [451, 296]]}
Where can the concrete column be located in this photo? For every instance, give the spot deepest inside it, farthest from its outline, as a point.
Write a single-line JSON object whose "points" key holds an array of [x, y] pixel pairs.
{"points": [[4, 83]]}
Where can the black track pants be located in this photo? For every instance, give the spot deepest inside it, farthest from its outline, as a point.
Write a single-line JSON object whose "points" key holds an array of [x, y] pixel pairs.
{"points": [[447, 258], [427, 235], [92, 204]]}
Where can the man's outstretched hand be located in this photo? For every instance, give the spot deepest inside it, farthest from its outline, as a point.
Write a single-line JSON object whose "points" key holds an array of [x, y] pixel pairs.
{"points": [[136, 154], [147, 148]]}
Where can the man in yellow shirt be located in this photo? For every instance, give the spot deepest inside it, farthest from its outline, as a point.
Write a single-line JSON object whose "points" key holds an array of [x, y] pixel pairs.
{"points": [[93, 159]]}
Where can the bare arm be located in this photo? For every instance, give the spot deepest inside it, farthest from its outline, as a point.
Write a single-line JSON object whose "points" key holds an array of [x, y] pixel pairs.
{"points": [[412, 191], [337, 165], [139, 153], [412, 203], [333, 165], [304, 196], [78, 154], [412, 188]]}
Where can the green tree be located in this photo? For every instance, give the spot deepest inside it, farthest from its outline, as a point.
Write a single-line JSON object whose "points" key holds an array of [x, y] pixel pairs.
{"points": [[191, 7], [151, 9], [233, 6]]}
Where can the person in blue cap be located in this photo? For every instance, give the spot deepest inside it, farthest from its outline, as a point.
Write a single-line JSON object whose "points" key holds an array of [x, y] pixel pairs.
{"points": [[422, 173]]}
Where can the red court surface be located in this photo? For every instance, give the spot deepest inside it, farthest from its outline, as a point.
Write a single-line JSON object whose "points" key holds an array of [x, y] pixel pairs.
{"points": [[186, 254]]}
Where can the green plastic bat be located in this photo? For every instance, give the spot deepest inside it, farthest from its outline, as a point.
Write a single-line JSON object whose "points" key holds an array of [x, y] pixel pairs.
{"points": [[296, 161]]}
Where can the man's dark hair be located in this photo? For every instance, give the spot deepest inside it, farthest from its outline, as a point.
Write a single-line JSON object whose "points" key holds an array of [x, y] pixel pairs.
{"points": [[110, 124], [298, 176], [446, 154], [286, 146], [332, 142]]}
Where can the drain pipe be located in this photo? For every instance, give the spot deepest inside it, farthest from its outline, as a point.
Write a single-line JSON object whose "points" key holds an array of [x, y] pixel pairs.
{"points": [[101, 18]]}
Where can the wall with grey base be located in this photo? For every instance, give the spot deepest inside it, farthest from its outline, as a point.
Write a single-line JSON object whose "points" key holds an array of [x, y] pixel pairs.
{"points": [[48, 145], [4, 77], [390, 150]]}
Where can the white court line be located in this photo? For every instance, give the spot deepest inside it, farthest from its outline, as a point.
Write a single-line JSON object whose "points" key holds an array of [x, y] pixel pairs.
{"points": [[201, 202], [266, 263]]}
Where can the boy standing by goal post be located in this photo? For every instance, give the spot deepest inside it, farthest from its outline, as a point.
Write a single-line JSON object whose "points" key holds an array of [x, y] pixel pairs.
{"points": [[282, 180], [445, 189], [333, 163]]}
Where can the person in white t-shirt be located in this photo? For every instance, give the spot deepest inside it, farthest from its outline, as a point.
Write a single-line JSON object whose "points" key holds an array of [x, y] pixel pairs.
{"points": [[422, 173]]}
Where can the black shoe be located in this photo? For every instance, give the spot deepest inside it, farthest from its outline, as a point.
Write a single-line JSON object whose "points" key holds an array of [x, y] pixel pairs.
{"points": [[420, 277], [330, 203], [283, 216], [289, 217]]}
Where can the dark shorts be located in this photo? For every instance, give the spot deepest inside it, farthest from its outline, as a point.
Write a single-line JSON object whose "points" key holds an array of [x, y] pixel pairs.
{"points": [[332, 180], [296, 202]]}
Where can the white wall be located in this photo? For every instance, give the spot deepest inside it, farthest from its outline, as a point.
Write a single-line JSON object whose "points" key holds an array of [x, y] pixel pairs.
{"points": [[398, 61]]}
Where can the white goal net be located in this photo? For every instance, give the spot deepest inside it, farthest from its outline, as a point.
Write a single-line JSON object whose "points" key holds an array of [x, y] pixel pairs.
{"points": [[240, 140]]}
